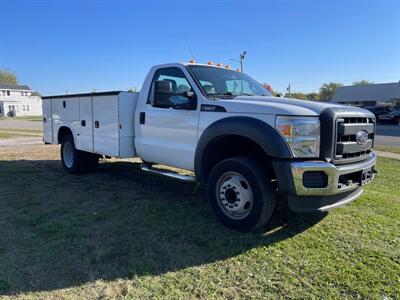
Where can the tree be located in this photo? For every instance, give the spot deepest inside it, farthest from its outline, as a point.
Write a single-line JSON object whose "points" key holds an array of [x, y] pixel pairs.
{"points": [[269, 88], [133, 90], [362, 82], [327, 90], [294, 95], [313, 97], [6, 76]]}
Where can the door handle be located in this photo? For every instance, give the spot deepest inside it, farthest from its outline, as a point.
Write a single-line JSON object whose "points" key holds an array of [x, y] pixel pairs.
{"points": [[96, 124], [83, 123], [142, 117]]}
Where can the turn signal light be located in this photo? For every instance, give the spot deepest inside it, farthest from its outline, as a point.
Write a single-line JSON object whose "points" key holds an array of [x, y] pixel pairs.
{"points": [[286, 130]]}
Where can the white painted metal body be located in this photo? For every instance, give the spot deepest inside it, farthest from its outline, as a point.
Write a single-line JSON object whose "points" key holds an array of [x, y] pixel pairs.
{"points": [[169, 136], [100, 123]]}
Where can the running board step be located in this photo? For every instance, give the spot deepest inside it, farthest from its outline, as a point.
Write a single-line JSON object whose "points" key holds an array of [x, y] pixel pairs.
{"points": [[185, 178]]}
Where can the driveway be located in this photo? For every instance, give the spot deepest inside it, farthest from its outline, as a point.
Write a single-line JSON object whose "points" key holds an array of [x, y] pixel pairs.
{"points": [[21, 124], [387, 135]]}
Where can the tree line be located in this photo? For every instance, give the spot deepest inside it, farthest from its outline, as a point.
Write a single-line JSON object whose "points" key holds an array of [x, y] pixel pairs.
{"points": [[326, 91]]}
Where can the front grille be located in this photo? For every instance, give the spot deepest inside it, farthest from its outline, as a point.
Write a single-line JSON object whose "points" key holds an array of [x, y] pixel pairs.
{"points": [[346, 147], [339, 126]]}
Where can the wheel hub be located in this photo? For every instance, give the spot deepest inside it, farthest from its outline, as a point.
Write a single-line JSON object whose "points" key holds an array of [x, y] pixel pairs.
{"points": [[234, 195]]}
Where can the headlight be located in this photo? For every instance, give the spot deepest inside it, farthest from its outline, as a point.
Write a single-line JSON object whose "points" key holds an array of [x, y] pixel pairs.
{"points": [[301, 133]]}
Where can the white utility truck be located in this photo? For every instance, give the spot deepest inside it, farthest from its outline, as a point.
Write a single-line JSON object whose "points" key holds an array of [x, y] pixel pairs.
{"points": [[245, 145]]}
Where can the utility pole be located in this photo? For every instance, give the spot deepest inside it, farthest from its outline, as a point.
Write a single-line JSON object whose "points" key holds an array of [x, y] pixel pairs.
{"points": [[288, 89], [241, 60]]}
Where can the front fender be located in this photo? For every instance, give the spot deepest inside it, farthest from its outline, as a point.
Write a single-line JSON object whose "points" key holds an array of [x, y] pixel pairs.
{"points": [[256, 130]]}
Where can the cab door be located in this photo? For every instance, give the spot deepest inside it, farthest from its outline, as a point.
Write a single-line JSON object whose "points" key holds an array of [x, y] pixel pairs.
{"points": [[167, 133]]}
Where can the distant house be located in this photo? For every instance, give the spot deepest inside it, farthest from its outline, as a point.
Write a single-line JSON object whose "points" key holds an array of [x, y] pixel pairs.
{"points": [[19, 100], [369, 94]]}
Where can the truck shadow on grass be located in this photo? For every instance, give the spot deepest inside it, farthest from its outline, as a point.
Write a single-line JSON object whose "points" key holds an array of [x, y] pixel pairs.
{"points": [[59, 230]]}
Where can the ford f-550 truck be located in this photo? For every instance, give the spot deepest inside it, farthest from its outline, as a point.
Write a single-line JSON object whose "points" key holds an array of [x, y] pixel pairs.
{"points": [[245, 145]]}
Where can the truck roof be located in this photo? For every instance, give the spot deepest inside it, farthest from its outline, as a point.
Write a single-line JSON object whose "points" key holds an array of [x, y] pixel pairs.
{"points": [[86, 94]]}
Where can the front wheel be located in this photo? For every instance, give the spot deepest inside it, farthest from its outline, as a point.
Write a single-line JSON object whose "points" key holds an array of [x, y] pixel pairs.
{"points": [[241, 193]]}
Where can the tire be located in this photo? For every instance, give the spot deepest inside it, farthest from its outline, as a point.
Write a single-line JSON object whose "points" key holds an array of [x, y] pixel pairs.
{"points": [[73, 160], [241, 194], [91, 160]]}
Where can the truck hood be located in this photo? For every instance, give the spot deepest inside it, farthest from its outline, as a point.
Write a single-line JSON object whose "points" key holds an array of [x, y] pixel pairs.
{"points": [[275, 105]]}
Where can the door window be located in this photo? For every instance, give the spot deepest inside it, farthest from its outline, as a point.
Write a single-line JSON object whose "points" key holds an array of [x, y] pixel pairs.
{"points": [[179, 85]]}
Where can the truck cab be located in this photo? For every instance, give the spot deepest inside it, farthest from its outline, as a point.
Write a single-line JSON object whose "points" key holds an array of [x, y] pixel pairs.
{"points": [[245, 145]]}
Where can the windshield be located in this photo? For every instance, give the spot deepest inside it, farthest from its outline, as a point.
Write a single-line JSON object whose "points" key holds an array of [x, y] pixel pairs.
{"points": [[225, 83]]}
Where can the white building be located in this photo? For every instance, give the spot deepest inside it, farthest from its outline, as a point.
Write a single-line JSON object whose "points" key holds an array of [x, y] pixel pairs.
{"points": [[19, 100]]}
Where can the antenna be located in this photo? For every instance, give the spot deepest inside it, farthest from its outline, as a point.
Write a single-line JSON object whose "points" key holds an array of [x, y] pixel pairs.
{"points": [[191, 53]]}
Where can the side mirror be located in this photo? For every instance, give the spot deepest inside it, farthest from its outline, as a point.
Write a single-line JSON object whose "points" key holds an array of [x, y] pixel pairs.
{"points": [[163, 87], [162, 93]]}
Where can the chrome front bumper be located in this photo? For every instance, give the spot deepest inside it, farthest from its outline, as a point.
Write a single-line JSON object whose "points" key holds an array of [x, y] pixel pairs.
{"points": [[333, 173]]}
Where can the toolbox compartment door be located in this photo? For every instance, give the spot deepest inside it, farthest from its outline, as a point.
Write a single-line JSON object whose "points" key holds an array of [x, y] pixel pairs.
{"points": [[85, 133], [106, 125], [47, 121]]}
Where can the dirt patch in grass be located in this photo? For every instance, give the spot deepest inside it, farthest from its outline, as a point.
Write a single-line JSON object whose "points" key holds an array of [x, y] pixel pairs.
{"points": [[120, 233]]}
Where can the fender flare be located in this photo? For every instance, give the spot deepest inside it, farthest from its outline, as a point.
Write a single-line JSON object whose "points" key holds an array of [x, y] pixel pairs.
{"points": [[263, 134], [70, 128]]}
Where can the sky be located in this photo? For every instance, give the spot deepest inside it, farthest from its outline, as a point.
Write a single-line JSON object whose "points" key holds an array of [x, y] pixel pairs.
{"points": [[79, 46]]}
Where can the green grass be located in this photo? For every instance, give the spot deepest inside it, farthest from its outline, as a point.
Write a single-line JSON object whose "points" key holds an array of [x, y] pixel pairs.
{"points": [[8, 133], [33, 131], [388, 149], [118, 233], [26, 118]]}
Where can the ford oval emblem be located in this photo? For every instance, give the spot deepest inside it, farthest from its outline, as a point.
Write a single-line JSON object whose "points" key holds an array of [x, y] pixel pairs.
{"points": [[361, 137]]}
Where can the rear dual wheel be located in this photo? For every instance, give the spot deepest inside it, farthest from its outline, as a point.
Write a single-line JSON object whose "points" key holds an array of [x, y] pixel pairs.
{"points": [[241, 193], [75, 161]]}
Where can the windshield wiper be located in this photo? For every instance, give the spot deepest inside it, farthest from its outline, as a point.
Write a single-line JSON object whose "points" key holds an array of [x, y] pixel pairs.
{"points": [[244, 94], [227, 94]]}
